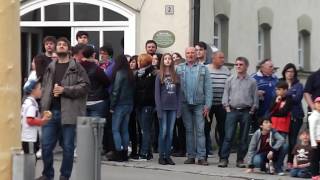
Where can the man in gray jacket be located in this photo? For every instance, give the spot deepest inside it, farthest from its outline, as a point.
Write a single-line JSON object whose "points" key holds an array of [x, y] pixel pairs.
{"points": [[64, 92], [196, 97]]}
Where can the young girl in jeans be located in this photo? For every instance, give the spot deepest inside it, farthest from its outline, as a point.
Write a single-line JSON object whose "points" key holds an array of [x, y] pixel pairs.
{"points": [[167, 105], [314, 126]]}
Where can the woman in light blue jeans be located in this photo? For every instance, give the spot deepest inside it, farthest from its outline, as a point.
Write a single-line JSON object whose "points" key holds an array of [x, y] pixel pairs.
{"points": [[167, 105], [121, 104]]}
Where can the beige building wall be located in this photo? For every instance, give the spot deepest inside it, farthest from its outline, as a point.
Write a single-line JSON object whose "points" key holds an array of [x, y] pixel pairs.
{"points": [[243, 28], [152, 18]]}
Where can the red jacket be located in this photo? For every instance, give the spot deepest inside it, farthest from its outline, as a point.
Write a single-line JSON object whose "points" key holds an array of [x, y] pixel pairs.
{"points": [[280, 114]]}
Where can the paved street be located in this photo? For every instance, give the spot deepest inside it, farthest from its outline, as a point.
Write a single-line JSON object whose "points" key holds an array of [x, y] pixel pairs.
{"points": [[152, 170]]}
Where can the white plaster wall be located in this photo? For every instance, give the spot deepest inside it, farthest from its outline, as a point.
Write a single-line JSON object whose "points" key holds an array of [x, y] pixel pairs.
{"points": [[152, 18]]}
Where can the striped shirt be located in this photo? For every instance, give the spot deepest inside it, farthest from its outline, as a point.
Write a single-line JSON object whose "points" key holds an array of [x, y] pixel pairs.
{"points": [[218, 80]]}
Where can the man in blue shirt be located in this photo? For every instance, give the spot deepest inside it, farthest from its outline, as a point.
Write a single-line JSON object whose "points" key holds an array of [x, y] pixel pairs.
{"points": [[266, 82]]}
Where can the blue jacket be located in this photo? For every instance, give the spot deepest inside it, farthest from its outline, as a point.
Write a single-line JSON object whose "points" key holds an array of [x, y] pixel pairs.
{"points": [[296, 92], [267, 84], [195, 84]]}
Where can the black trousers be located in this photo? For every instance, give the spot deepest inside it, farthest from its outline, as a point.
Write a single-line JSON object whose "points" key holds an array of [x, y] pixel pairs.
{"points": [[315, 158], [134, 133], [155, 132], [30, 147], [107, 139], [179, 137], [220, 114], [295, 126]]}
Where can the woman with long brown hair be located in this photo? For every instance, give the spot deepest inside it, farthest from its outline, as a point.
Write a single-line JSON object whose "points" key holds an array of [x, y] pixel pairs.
{"points": [[167, 105]]}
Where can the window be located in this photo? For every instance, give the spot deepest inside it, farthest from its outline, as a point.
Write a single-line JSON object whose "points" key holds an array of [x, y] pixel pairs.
{"points": [[32, 16], [57, 12], [109, 15], [216, 39], [86, 12], [264, 42], [221, 33], [304, 50]]}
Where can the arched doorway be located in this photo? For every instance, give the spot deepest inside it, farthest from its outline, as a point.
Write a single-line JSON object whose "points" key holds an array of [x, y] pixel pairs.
{"points": [[105, 21]]}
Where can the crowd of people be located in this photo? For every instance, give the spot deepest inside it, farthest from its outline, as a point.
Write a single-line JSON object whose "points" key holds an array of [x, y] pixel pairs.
{"points": [[163, 103]]}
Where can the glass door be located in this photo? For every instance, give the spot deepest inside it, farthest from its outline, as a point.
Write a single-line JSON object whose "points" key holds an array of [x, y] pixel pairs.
{"points": [[100, 36]]}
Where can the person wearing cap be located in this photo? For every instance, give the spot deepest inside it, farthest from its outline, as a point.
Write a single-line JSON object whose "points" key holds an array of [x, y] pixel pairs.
{"points": [[314, 128], [30, 117]]}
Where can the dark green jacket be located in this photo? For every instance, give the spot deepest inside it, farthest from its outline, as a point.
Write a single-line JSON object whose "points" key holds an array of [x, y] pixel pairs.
{"points": [[122, 90]]}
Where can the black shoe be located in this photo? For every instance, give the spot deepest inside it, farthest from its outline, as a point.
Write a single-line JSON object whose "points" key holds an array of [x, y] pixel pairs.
{"points": [[149, 156], [134, 156], [162, 161], [125, 156], [170, 161], [203, 162], [63, 178], [223, 163], [190, 161], [116, 156], [42, 178]]}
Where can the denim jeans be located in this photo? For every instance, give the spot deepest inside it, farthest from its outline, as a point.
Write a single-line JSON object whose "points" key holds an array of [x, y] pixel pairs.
{"points": [[300, 172], [233, 118], [259, 161], [194, 124], [145, 117], [120, 123], [282, 154], [166, 124], [97, 110], [50, 134]]}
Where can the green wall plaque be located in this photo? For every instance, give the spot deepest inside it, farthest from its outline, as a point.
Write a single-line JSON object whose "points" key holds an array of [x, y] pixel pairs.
{"points": [[164, 38]]}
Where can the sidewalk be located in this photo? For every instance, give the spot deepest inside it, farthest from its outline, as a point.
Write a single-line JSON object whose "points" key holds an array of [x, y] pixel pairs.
{"points": [[209, 171]]}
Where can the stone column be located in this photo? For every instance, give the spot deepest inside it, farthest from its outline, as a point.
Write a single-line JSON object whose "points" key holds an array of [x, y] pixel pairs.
{"points": [[10, 80]]}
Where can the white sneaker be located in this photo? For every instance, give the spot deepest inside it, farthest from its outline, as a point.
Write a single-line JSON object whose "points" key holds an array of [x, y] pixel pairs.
{"points": [[75, 153], [281, 174], [39, 154]]}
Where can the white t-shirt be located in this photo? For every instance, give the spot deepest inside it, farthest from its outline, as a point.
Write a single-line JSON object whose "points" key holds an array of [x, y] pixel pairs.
{"points": [[29, 109]]}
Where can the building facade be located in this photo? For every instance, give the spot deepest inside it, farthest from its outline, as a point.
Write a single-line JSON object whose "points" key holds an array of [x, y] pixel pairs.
{"points": [[286, 30]]}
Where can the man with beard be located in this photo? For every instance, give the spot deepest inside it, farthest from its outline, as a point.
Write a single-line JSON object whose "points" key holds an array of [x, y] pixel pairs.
{"points": [[64, 89]]}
